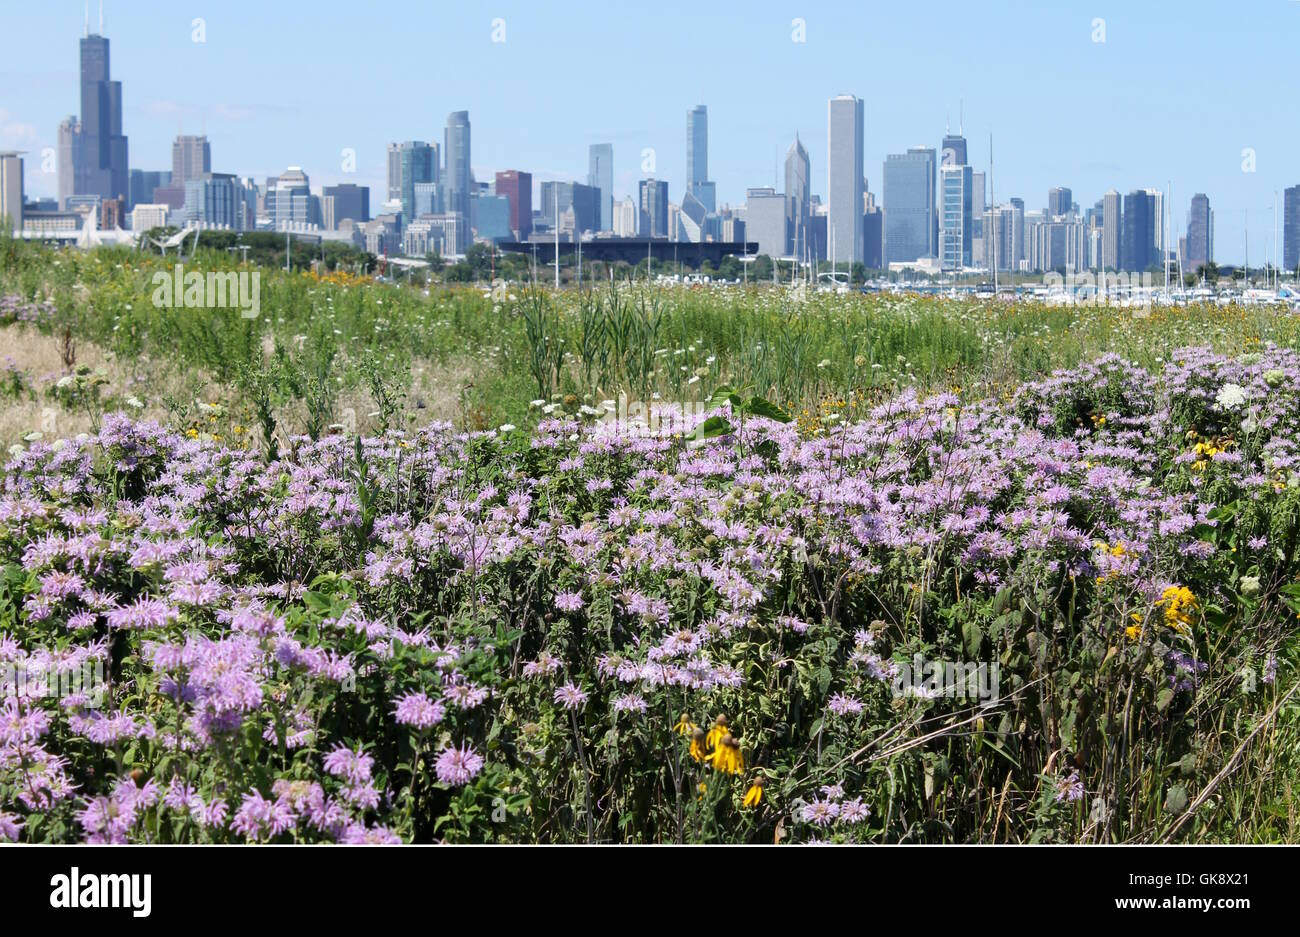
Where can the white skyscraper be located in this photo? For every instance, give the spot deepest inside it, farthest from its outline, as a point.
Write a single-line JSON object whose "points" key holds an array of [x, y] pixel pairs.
{"points": [[844, 185], [11, 191]]}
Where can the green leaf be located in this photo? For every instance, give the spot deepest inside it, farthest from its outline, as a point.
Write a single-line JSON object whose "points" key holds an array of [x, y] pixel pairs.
{"points": [[1176, 799], [714, 426], [725, 394], [316, 602], [759, 406]]}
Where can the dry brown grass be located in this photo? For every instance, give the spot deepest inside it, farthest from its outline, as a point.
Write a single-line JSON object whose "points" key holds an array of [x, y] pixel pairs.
{"points": [[171, 394]]}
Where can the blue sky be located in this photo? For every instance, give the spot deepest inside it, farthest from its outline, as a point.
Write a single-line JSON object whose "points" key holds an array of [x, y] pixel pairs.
{"points": [[1174, 94]]}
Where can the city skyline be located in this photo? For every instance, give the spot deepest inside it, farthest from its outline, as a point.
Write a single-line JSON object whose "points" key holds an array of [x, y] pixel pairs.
{"points": [[240, 146]]}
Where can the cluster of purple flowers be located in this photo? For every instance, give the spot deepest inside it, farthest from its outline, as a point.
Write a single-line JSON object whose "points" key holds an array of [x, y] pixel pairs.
{"points": [[205, 565]]}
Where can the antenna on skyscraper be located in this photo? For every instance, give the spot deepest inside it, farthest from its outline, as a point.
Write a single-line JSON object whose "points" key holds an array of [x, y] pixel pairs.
{"points": [[101, 17], [998, 225], [86, 29], [961, 118]]}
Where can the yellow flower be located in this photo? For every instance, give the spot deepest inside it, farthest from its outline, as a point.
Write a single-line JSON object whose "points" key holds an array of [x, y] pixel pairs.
{"points": [[716, 733], [727, 758], [755, 793], [698, 746], [1179, 603], [684, 725]]}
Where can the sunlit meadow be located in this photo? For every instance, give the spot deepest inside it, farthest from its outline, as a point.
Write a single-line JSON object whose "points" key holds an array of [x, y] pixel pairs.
{"points": [[640, 564]]}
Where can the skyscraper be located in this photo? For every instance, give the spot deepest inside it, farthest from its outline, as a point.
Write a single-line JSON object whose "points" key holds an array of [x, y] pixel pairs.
{"points": [[1291, 228], [394, 171], [953, 152], [1200, 234], [798, 194], [767, 221], [417, 163], [191, 158], [1112, 228], [908, 191], [845, 127], [1060, 202], [560, 197], [103, 167], [697, 157], [457, 149], [350, 201], [600, 175], [1158, 222], [654, 208], [142, 184], [71, 159], [626, 214], [1138, 251], [212, 200], [957, 202], [11, 192], [1017, 232], [518, 188], [979, 190], [873, 233]]}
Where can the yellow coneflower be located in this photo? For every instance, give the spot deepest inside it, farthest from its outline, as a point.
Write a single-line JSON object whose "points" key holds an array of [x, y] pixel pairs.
{"points": [[684, 725], [698, 746], [727, 758], [755, 792], [716, 733]]}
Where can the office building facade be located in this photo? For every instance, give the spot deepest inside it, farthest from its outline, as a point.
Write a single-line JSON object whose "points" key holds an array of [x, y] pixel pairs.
{"points": [[908, 192], [600, 175], [846, 126]]}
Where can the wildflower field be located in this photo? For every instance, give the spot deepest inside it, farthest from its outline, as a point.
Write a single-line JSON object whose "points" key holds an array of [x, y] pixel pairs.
{"points": [[533, 616]]}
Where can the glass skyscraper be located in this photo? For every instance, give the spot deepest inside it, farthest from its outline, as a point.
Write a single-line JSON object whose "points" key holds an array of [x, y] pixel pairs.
{"points": [[417, 163], [957, 200], [909, 196], [1291, 228], [1200, 233], [697, 157], [457, 154], [1060, 202], [654, 208], [798, 194], [1138, 245], [600, 175]]}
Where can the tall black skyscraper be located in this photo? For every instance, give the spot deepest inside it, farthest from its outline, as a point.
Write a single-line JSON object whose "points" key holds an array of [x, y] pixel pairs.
{"points": [[1138, 245], [103, 169], [953, 152], [1200, 233], [1291, 228]]}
